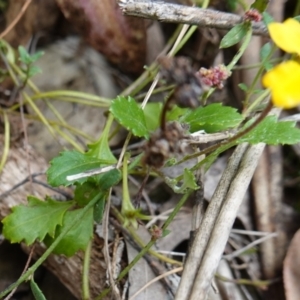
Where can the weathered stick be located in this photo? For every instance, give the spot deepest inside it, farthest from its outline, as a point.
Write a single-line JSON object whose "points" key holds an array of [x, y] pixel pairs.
{"points": [[174, 13]]}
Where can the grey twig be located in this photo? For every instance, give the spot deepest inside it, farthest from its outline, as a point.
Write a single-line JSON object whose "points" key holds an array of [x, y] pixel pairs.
{"points": [[174, 13]]}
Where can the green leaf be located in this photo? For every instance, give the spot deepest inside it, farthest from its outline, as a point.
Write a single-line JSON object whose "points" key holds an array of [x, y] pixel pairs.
{"points": [[212, 118], [71, 163], [37, 55], [101, 149], [85, 192], [33, 70], [36, 291], [152, 113], [106, 180], [272, 132], [267, 18], [24, 55], [32, 222], [26, 58], [189, 182], [232, 4], [234, 35], [130, 115], [265, 53], [258, 91], [99, 209], [260, 5], [77, 238], [243, 87], [176, 112], [166, 232], [136, 161]]}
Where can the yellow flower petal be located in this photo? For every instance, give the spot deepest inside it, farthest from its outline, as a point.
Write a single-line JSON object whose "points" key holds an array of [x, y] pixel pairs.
{"points": [[284, 83], [286, 35]]}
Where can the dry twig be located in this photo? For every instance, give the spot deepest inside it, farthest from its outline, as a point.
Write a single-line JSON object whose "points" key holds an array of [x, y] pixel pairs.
{"points": [[173, 13], [16, 20]]}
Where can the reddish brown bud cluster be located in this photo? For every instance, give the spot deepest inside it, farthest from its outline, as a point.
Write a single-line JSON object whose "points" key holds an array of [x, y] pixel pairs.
{"points": [[163, 144], [253, 15], [156, 232], [214, 76]]}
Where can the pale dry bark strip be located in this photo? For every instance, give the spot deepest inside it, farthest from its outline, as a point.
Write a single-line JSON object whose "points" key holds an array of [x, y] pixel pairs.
{"points": [[223, 224], [203, 234], [174, 13]]}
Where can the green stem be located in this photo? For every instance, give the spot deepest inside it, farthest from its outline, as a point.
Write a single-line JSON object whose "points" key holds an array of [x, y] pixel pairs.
{"points": [[32, 269], [39, 113], [256, 102], [152, 242], [86, 271], [242, 49], [258, 76], [51, 122], [151, 71], [126, 202], [185, 39], [6, 141], [231, 140], [297, 9], [256, 283], [73, 94], [139, 241], [235, 59], [149, 245]]}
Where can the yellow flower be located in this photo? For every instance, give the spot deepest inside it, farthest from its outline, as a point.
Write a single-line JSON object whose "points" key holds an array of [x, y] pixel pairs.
{"points": [[286, 35], [284, 83]]}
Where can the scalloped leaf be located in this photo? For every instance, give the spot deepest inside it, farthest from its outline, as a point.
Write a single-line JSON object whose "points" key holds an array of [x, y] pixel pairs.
{"points": [[212, 118], [127, 112], [70, 163], [272, 132], [34, 221], [77, 238]]}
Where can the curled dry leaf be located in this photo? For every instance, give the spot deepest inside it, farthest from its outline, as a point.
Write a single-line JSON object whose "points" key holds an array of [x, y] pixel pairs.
{"points": [[291, 269], [121, 39]]}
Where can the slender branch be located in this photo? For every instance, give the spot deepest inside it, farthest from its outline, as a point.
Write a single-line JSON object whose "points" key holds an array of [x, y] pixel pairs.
{"points": [[16, 20], [173, 13]]}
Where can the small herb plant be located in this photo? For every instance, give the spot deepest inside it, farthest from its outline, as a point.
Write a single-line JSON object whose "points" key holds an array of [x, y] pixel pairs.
{"points": [[66, 227]]}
